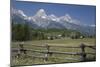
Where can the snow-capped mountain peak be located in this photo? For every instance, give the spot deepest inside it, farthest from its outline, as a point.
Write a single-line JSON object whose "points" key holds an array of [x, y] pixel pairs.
{"points": [[41, 13], [22, 13], [66, 18], [53, 18], [19, 13]]}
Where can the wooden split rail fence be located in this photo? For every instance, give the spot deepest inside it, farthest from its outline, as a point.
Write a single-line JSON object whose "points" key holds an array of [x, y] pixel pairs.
{"points": [[48, 52]]}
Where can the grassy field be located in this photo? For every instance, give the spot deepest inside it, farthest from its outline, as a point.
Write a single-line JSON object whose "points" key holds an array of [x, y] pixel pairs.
{"points": [[55, 58]]}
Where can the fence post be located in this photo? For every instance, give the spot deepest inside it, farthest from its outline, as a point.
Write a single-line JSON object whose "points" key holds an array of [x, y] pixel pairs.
{"points": [[21, 48], [83, 54], [46, 55]]}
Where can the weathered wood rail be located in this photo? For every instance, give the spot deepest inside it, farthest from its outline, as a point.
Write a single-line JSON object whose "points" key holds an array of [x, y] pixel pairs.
{"points": [[17, 52]]}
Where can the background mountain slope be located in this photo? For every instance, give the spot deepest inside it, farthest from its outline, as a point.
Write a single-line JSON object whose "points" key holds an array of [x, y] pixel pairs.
{"points": [[44, 21]]}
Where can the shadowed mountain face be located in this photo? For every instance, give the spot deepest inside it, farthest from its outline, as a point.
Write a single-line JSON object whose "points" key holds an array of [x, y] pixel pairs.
{"points": [[42, 20]]}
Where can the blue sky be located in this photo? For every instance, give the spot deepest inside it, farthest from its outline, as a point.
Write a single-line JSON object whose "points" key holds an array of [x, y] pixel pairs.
{"points": [[85, 14]]}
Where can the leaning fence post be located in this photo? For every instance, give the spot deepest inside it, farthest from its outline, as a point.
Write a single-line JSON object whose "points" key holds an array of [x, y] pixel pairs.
{"points": [[83, 54]]}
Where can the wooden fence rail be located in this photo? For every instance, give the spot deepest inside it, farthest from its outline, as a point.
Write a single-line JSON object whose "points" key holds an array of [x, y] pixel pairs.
{"points": [[21, 50]]}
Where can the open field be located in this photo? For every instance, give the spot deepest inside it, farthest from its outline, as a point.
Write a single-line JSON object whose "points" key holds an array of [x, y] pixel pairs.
{"points": [[55, 58], [61, 42]]}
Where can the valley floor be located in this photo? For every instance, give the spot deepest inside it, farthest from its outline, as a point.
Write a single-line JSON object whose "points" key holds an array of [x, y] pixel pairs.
{"points": [[55, 58]]}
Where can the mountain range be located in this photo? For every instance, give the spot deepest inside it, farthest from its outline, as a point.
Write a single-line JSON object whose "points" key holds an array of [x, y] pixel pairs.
{"points": [[42, 20]]}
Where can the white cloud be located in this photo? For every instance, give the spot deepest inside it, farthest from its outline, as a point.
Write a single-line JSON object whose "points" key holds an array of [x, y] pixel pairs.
{"points": [[75, 21], [93, 25]]}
